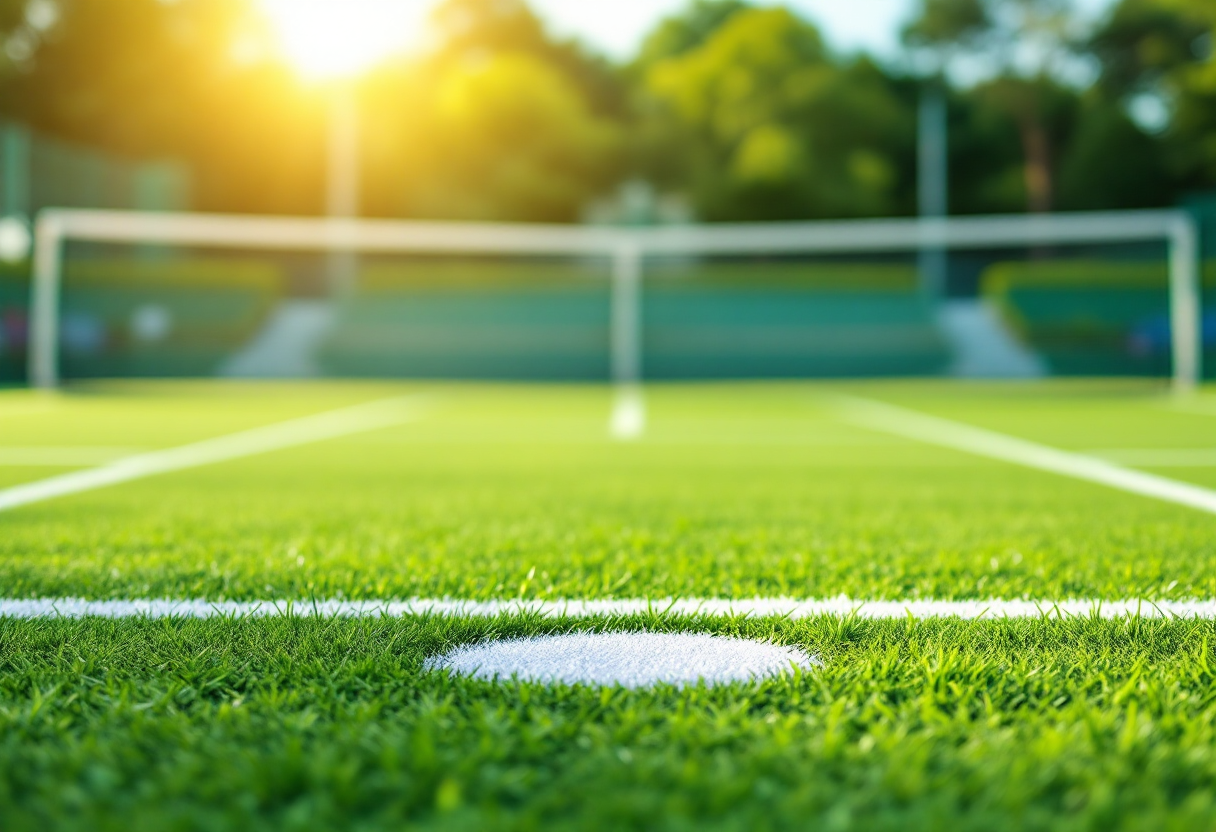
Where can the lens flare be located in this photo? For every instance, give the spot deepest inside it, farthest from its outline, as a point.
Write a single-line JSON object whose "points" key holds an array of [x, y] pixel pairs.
{"points": [[341, 38]]}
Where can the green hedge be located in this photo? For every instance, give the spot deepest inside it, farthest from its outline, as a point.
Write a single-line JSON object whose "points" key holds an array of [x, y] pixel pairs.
{"points": [[448, 275], [1088, 317], [789, 275], [215, 306]]}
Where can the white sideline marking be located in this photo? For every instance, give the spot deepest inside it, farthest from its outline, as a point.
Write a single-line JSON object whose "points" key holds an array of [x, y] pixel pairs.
{"points": [[960, 436], [628, 420], [61, 456], [632, 660], [1160, 457], [260, 440], [993, 608]]}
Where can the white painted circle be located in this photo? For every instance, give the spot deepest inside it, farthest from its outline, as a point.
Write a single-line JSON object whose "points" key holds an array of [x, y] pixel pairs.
{"points": [[632, 660], [14, 239]]}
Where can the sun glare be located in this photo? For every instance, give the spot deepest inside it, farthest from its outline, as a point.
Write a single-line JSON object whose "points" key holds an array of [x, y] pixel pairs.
{"points": [[340, 38]]}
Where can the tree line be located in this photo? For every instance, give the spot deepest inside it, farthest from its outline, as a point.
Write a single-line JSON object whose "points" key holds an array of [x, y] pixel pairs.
{"points": [[740, 109]]}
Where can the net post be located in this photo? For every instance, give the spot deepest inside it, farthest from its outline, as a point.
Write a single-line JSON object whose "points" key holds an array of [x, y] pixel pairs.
{"points": [[626, 326], [43, 366], [932, 186], [1186, 316]]}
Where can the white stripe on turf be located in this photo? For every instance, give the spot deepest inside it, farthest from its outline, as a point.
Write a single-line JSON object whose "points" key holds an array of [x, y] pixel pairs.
{"points": [[289, 434], [960, 436], [628, 420], [61, 456], [787, 607], [1160, 457]]}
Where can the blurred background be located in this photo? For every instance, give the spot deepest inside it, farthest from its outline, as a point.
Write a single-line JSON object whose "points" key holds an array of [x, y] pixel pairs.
{"points": [[629, 113]]}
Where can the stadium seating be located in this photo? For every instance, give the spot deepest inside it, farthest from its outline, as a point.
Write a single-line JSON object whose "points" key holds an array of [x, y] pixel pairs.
{"points": [[1088, 317], [551, 321], [473, 320], [133, 317], [788, 319], [14, 302]]}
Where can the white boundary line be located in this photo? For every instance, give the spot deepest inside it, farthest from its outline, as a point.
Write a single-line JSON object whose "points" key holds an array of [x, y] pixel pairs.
{"points": [[289, 434], [628, 420], [947, 433], [1159, 457], [61, 456], [39, 608]]}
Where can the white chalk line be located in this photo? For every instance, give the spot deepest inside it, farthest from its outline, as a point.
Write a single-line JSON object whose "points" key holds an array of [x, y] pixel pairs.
{"points": [[959, 436], [61, 456], [1159, 457], [793, 608], [628, 420], [278, 436]]}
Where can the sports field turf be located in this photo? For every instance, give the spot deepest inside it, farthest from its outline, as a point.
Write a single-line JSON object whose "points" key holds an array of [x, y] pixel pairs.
{"points": [[733, 491]]}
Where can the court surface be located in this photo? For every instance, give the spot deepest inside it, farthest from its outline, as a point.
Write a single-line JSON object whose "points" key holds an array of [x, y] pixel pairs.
{"points": [[1007, 587]]}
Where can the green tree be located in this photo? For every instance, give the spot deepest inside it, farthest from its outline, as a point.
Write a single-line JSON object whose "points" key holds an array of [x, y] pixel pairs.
{"points": [[1110, 163], [1158, 54], [1076, 146], [510, 137], [771, 127], [499, 121], [145, 78], [678, 33], [469, 29], [196, 80], [1028, 45], [23, 29]]}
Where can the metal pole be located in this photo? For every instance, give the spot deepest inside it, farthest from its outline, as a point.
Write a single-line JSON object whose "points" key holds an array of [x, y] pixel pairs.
{"points": [[342, 182], [1186, 311], [43, 366], [626, 325], [932, 183]]}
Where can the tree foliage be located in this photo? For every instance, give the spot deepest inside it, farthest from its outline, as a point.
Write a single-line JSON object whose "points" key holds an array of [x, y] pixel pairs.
{"points": [[781, 129], [740, 107], [1160, 53], [501, 121], [1025, 44], [491, 152], [681, 32]]}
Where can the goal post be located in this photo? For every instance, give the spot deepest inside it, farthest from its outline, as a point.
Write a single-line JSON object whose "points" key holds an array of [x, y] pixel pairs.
{"points": [[626, 248]]}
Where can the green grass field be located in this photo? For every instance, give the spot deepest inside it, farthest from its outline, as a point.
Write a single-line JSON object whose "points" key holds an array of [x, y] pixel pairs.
{"points": [[503, 492]]}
